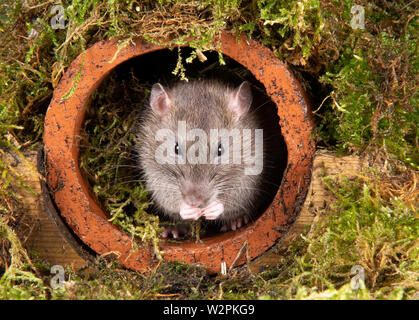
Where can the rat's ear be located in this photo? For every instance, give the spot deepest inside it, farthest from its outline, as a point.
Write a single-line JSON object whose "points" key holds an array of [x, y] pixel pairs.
{"points": [[240, 99], [160, 101]]}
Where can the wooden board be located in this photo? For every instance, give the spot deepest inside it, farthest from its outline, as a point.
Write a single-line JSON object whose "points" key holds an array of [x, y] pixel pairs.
{"points": [[51, 239], [48, 240]]}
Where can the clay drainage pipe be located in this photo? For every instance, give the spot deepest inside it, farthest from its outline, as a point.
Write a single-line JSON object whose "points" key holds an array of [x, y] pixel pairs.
{"points": [[72, 194]]}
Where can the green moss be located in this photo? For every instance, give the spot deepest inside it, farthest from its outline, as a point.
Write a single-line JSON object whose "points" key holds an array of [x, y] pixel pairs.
{"points": [[18, 281], [362, 229], [299, 23], [374, 104]]}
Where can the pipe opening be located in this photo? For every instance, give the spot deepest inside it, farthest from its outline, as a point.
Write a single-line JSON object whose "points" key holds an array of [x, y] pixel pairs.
{"points": [[108, 154]]}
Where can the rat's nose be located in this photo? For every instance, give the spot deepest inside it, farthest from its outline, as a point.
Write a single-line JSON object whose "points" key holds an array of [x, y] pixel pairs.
{"points": [[193, 200], [194, 194]]}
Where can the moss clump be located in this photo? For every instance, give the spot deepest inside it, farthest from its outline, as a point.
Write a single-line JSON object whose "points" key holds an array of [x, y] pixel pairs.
{"points": [[293, 28], [373, 104], [372, 225], [19, 277]]}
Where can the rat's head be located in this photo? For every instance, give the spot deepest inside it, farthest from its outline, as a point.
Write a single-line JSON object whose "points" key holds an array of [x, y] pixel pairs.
{"points": [[193, 147]]}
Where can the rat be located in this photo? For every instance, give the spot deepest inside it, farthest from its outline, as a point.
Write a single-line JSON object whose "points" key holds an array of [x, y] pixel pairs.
{"points": [[185, 186]]}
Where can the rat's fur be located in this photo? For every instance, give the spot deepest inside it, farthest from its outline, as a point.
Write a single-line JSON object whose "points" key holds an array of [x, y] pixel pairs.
{"points": [[204, 105]]}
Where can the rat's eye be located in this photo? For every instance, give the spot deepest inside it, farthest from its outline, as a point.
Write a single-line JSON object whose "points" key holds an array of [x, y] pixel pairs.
{"points": [[177, 148], [220, 150]]}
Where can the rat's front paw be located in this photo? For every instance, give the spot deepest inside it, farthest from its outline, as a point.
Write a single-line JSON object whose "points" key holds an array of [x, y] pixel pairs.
{"points": [[188, 212], [213, 211]]}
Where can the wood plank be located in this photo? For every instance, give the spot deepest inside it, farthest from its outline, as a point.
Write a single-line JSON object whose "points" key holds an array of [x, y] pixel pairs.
{"points": [[46, 240]]}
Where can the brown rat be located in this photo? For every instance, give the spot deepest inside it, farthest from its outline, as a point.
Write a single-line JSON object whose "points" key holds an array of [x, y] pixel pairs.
{"points": [[192, 174]]}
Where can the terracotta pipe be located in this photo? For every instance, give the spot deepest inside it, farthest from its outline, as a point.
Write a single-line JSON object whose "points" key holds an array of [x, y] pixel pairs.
{"points": [[73, 195]]}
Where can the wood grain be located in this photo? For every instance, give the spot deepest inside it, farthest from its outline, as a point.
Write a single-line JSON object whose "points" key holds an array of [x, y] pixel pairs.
{"points": [[46, 240]]}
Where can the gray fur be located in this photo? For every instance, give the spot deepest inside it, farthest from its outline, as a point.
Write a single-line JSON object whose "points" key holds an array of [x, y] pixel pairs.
{"points": [[204, 105]]}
